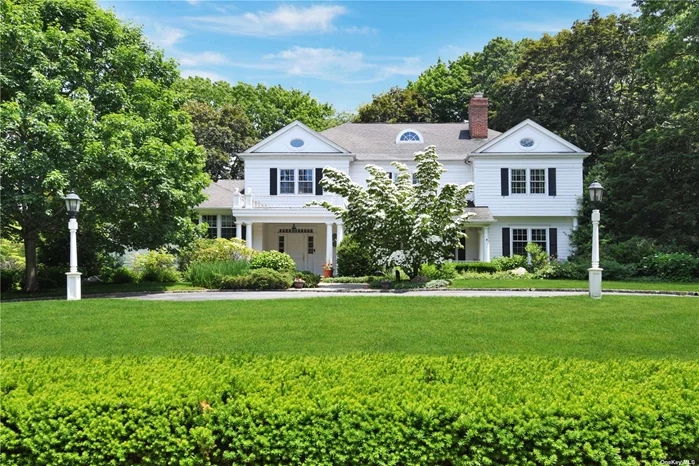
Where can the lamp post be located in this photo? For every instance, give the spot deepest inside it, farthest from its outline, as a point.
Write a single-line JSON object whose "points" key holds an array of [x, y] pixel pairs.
{"points": [[73, 206], [595, 190]]}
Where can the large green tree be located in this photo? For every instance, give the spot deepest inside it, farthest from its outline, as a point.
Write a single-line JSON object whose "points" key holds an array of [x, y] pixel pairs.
{"points": [[585, 84], [448, 87], [223, 132], [87, 104], [268, 108], [398, 105]]}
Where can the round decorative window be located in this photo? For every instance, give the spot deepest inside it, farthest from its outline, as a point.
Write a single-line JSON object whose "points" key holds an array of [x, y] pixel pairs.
{"points": [[297, 143], [526, 143]]}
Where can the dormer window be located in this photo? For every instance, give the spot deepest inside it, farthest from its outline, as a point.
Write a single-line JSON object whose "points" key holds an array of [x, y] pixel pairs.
{"points": [[408, 136]]}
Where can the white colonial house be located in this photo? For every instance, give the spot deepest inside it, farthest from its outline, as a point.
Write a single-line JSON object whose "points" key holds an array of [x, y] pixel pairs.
{"points": [[527, 183]]}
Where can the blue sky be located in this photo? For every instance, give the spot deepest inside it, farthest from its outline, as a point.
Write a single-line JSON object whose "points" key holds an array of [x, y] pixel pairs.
{"points": [[341, 52]]}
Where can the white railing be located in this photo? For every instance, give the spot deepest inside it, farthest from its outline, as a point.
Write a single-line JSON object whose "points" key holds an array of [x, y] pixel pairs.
{"points": [[250, 201]]}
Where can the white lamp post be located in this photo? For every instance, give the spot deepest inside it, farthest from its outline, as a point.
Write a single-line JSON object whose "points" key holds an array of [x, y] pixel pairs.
{"points": [[73, 206], [596, 190]]}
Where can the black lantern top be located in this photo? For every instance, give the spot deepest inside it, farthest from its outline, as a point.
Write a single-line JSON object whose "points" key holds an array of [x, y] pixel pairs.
{"points": [[73, 204], [596, 190]]}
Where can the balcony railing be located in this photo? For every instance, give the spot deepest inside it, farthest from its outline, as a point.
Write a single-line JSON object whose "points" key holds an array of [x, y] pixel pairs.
{"points": [[254, 201]]}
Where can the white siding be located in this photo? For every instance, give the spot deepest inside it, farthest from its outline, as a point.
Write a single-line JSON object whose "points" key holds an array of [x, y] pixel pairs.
{"points": [[569, 186], [257, 169], [458, 172], [564, 226], [542, 142]]}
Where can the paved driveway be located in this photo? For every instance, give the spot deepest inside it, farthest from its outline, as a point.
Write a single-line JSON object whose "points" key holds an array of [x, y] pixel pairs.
{"points": [[247, 295]]}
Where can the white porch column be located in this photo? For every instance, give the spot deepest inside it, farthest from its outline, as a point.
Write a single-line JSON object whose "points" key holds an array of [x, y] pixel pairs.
{"points": [[248, 234], [328, 242], [238, 230], [340, 233], [258, 233], [486, 244], [218, 225], [481, 244]]}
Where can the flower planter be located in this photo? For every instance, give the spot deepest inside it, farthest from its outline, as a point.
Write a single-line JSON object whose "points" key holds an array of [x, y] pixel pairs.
{"points": [[327, 273], [298, 284], [385, 285]]}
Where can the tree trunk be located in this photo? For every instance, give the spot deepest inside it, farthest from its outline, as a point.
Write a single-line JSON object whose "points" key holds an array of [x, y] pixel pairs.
{"points": [[31, 280]]}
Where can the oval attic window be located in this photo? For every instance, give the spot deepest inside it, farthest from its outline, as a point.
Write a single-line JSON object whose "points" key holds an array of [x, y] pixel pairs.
{"points": [[526, 142], [296, 143]]}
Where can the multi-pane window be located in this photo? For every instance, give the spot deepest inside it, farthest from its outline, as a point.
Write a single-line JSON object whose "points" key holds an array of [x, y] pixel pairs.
{"points": [[281, 243], [305, 181], [537, 181], [286, 181], [227, 226], [519, 241], [311, 245], [211, 220], [415, 181], [519, 181], [539, 237]]}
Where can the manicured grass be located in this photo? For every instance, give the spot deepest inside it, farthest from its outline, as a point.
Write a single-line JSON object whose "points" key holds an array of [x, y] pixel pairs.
{"points": [[103, 288], [614, 327], [566, 284]]}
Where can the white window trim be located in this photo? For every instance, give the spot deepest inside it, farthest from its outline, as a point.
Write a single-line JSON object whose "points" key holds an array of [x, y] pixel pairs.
{"points": [[296, 182], [409, 130], [528, 186], [529, 237], [297, 149], [528, 149]]}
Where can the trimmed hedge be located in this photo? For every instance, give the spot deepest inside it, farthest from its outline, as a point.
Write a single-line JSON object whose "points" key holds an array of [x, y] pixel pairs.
{"points": [[480, 267], [378, 409]]}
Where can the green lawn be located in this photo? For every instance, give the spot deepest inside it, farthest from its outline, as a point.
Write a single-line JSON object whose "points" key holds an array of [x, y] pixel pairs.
{"points": [[566, 284], [103, 288], [614, 327]]}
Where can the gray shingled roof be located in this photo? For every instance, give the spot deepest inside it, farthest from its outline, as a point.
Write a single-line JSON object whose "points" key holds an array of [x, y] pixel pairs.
{"points": [[377, 141], [483, 214], [221, 194]]}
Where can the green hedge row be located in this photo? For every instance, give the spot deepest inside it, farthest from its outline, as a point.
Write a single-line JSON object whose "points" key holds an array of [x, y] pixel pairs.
{"points": [[482, 267], [379, 409]]}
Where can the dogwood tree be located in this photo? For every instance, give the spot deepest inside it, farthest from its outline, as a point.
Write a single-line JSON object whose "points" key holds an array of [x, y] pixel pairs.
{"points": [[403, 222]]}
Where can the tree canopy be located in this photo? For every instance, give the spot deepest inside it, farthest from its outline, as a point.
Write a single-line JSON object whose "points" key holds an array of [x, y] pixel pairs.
{"points": [[87, 104]]}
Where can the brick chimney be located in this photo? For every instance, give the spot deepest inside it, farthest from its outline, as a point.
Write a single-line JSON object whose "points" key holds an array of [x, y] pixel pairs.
{"points": [[478, 116]]}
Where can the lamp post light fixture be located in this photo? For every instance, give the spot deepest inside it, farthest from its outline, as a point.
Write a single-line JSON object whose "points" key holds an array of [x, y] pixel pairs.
{"points": [[595, 272], [73, 206]]}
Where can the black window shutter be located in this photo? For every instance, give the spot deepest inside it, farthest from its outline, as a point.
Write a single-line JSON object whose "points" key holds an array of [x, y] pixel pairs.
{"points": [[506, 242], [553, 242], [552, 181], [272, 181], [461, 252], [319, 176], [243, 232], [505, 181]]}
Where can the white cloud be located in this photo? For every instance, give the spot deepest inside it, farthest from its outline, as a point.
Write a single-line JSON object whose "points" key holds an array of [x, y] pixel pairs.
{"points": [[202, 58], [360, 30], [186, 73], [622, 6], [166, 36], [285, 20], [348, 67], [194, 2]]}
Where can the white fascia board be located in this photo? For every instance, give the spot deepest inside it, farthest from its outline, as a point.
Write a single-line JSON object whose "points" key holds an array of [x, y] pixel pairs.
{"points": [[288, 127], [534, 124], [276, 155]]}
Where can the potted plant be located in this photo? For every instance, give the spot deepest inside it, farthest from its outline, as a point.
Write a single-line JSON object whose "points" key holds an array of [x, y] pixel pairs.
{"points": [[385, 284], [299, 282], [328, 270]]}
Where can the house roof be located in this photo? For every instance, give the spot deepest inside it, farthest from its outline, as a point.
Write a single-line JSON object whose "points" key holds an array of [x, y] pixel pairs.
{"points": [[377, 141], [220, 194], [483, 214]]}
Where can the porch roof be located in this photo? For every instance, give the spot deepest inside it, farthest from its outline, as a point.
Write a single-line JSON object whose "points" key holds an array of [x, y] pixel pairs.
{"points": [[483, 215], [221, 194]]}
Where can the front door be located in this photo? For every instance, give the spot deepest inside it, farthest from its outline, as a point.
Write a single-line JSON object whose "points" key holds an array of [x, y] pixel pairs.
{"points": [[301, 248]]}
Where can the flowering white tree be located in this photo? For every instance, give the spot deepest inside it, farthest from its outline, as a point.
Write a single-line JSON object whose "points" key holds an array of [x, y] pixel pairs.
{"points": [[402, 224]]}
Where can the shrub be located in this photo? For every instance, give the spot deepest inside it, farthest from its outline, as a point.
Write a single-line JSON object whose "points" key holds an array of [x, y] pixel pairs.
{"points": [[484, 267], [438, 284], [569, 270], [269, 279], [354, 260], [233, 282], [275, 260], [631, 251], [156, 266], [208, 274], [504, 263], [216, 250], [678, 266], [613, 270], [505, 275], [50, 277], [120, 275], [539, 258], [365, 279], [445, 271], [311, 279], [391, 409], [10, 278]]}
